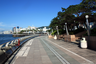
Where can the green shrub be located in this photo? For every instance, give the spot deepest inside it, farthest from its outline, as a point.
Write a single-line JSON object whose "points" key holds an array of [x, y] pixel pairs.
{"points": [[93, 32], [54, 32], [14, 33], [76, 31], [85, 34], [22, 31], [71, 33], [79, 30], [61, 31]]}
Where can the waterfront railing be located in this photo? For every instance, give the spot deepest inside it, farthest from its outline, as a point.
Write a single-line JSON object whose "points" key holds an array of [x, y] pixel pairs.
{"points": [[8, 48]]}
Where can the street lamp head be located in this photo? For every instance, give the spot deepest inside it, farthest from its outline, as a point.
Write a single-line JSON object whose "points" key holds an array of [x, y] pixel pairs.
{"points": [[86, 16], [56, 27], [65, 23]]}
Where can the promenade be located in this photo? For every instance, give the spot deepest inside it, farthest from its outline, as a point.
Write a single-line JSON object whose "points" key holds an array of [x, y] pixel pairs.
{"points": [[42, 50]]}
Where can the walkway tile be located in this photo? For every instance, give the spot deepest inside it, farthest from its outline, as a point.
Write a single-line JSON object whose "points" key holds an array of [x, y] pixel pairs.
{"points": [[36, 54], [35, 51]]}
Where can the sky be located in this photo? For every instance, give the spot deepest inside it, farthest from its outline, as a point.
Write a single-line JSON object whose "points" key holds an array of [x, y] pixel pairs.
{"points": [[24, 13]]}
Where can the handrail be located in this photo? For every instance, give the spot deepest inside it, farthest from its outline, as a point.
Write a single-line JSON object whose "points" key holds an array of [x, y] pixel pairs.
{"points": [[6, 46]]}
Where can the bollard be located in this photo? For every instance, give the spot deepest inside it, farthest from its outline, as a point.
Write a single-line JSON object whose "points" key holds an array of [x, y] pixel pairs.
{"points": [[55, 37], [18, 42], [83, 43]]}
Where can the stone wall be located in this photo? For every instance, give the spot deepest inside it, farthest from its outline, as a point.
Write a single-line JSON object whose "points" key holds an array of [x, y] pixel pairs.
{"points": [[91, 42], [69, 38], [80, 34], [50, 36]]}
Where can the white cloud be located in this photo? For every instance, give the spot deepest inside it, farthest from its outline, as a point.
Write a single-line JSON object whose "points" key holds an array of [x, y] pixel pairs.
{"points": [[1, 24]]}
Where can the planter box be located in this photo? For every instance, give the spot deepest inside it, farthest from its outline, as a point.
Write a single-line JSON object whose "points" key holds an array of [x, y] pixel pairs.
{"points": [[72, 38], [60, 36], [91, 41], [50, 36], [69, 38], [78, 35]]}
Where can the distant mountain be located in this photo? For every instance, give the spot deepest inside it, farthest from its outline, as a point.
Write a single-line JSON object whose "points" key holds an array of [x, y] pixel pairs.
{"points": [[43, 27]]}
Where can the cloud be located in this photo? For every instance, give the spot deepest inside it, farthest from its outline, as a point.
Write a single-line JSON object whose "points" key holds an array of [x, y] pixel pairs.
{"points": [[1, 24]]}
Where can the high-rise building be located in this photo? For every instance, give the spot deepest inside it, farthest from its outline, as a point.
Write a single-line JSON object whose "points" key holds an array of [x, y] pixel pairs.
{"points": [[14, 30]]}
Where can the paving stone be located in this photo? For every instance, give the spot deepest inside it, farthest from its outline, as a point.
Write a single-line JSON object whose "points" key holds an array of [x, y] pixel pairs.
{"points": [[39, 53]]}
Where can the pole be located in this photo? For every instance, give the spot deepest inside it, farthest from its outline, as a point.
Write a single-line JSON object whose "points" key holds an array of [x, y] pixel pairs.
{"points": [[26, 29], [66, 29], [52, 31], [57, 30], [88, 27]]}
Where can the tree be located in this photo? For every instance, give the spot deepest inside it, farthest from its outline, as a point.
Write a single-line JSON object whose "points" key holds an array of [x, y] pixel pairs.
{"points": [[73, 10], [54, 23], [89, 6], [67, 14]]}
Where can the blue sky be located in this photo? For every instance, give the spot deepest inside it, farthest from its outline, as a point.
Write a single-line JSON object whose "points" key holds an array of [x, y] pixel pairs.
{"points": [[24, 13]]}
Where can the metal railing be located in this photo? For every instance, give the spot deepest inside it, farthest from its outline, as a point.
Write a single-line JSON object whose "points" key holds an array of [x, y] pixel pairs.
{"points": [[6, 46]]}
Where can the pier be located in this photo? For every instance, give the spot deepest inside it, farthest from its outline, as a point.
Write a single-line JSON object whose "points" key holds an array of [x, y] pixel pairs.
{"points": [[20, 35], [42, 50]]}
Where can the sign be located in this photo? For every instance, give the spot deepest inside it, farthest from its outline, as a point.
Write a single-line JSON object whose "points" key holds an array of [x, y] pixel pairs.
{"points": [[18, 27], [18, 42]]}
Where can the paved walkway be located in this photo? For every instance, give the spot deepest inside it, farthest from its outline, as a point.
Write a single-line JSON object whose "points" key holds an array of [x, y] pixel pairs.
{"points": [[41, 50], [74, 47]]}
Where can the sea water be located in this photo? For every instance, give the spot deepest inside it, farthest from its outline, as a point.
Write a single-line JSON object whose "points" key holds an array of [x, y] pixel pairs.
{"points": [[6, 38]]}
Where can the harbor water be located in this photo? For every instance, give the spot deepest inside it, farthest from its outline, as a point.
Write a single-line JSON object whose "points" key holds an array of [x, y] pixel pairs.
{"points": [[6, 38]]}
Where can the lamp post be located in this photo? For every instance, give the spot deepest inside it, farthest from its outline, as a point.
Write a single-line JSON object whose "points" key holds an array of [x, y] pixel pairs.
{"points": [[52, 30], [66, 29], [88, 27], [74, 23], [57, 30], [26, 29]]}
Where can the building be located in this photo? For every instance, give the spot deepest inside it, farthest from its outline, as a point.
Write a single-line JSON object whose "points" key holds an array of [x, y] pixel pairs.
{"points": [[7, 32], [38, 30], [44, 29], [14, 30], [17, 30]]}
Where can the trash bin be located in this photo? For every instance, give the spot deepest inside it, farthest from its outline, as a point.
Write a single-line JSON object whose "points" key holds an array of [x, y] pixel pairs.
{"points": [[83, 43]]}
